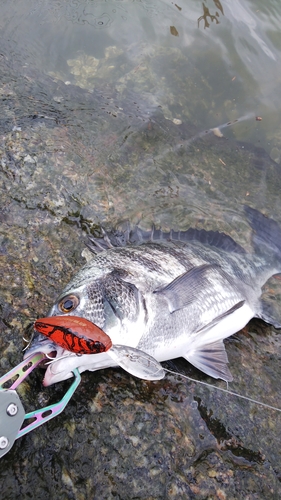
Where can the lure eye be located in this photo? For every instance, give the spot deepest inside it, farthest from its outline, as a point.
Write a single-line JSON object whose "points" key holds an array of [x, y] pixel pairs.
{"points": [[68, 303]]}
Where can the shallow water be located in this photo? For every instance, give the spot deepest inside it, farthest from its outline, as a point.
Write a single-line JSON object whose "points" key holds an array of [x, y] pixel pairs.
{"points": [[170, 85], [104, 114]]}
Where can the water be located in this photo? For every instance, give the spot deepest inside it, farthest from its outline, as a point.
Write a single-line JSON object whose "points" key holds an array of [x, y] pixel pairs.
{"points": [[104, 113], [173, 70]]}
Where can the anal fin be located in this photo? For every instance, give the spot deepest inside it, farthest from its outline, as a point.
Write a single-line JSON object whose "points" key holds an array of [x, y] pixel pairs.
{"points": [[211, 359]]}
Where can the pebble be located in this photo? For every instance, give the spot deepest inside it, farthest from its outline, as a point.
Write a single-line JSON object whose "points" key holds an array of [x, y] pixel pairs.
{"points": [[28, 159]]}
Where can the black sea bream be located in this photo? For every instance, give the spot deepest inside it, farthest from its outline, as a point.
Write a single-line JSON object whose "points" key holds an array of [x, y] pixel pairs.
{"points": [[168, 294]]}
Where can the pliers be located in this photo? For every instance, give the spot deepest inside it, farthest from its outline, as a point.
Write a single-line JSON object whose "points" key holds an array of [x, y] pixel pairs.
{"points": [[13, 419]]}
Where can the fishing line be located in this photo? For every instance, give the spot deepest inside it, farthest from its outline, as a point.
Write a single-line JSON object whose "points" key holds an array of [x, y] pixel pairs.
{"points": [[210, 386], [224, 390]]}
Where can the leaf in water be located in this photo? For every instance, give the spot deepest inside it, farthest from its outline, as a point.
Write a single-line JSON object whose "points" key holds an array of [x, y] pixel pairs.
{"points": [[174, 31]]}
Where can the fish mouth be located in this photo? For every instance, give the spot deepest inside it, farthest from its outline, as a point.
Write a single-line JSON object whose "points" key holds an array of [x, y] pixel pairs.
{"points": [[54, 354], [43, 345], [45, 362], [60, 363]]}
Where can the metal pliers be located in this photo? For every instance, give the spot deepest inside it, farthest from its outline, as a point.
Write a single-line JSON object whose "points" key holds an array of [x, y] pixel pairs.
{"points": [[13, 419]]}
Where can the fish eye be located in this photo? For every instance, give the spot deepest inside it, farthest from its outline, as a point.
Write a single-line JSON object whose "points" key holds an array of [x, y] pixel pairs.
{"points": [[68, 303]]}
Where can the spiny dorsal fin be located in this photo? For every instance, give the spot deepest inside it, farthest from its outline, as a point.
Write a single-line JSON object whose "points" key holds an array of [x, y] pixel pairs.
{"points": [[137, 236], [211, 238]]}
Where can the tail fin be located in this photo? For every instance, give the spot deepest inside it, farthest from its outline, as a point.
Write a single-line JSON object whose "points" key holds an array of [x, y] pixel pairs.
{"points": [[267, 233]]}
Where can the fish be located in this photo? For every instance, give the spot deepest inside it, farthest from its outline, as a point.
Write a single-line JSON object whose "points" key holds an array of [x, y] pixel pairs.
{"points": [[168, 294], [81, 336]]}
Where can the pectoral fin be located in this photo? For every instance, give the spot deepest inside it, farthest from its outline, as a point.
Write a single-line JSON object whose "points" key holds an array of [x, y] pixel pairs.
{"points": [[182, 291], [211, 359]]}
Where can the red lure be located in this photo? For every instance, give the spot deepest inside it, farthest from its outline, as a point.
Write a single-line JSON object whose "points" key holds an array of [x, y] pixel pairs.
{"points": [[74, 334]]}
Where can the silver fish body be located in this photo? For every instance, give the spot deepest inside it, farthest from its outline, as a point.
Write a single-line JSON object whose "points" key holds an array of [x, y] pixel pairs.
{"points": [[169, 294]]}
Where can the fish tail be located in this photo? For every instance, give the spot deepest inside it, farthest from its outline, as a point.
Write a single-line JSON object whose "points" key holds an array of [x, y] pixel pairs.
{"points": [[267, 233]]}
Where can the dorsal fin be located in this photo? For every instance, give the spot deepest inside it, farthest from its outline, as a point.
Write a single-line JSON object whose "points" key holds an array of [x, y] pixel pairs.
{"points": [[137, 236], [211, 238]]}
